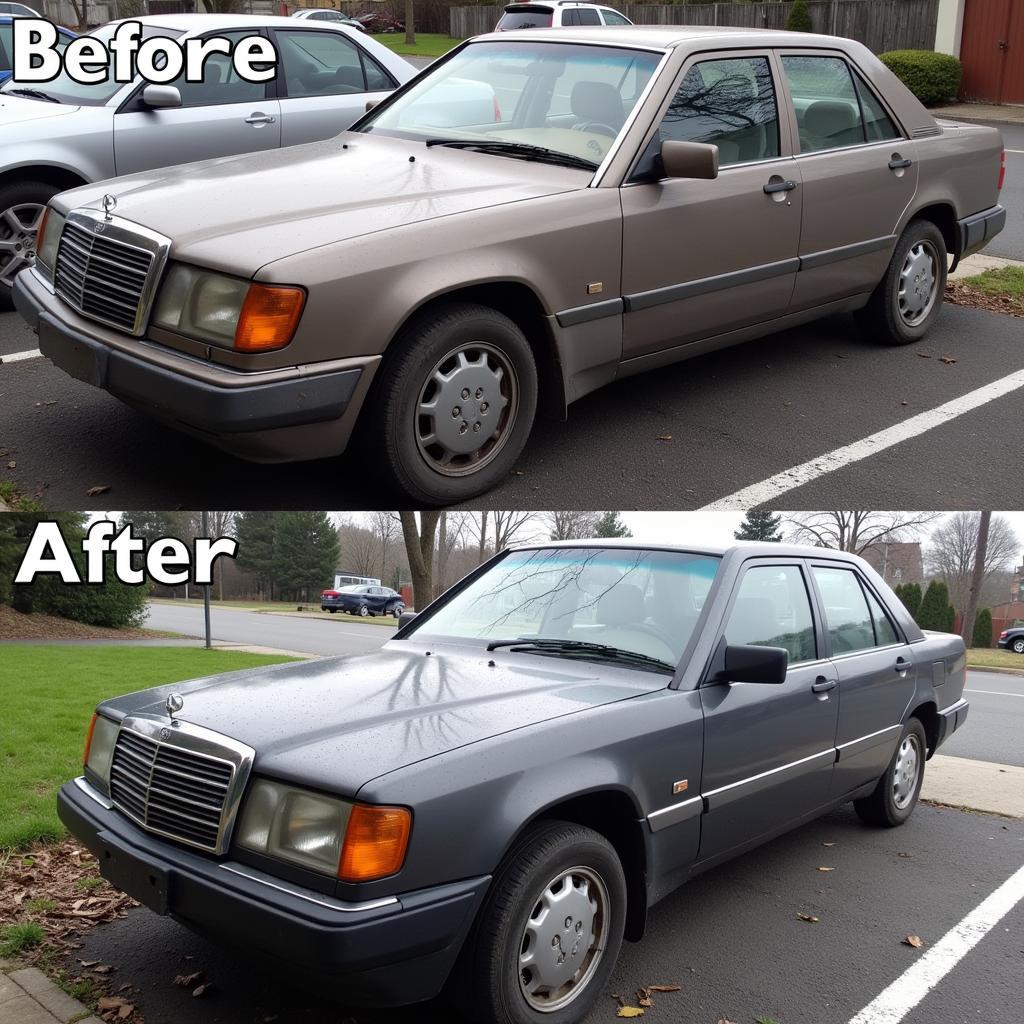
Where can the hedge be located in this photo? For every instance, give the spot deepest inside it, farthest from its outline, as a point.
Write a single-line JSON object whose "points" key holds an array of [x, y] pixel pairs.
{"points": [[931, 77]]}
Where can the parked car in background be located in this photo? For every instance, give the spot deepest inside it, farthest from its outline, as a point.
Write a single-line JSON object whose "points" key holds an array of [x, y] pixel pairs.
{"points": [[326, 14], [18, 10], [363, 600], [64, 36], [557, 14], [62, 133], [1012, 639], [381, 21], [441, 269], [500, 794]]}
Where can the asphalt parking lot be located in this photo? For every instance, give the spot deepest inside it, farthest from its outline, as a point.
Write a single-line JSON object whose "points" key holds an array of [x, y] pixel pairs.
{"points": [[682, 437], [731, 938]]}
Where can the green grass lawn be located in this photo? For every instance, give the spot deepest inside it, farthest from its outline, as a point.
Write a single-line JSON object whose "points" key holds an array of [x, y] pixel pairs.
{"points": [[1002, 281], [285, 608], [426, 45], [986, 657], [47, 695]]}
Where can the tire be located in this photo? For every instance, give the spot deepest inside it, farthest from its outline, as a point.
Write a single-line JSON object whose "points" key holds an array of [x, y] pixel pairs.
{"points": [[474, 368], [363, 611], [17, 251], [1018, 646], [397, 610], [886, 318], [490, 984], [332, 610], [892, 803]]}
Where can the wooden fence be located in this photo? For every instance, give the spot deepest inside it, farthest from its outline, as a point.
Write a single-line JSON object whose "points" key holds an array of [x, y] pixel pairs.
{"points": [[879, 24]]}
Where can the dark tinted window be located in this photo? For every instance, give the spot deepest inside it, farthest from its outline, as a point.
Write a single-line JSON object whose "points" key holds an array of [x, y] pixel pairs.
{"points": [[529, 17], [587, 16], [730, 103], [221, 82], [570, 18], [772, 609], [846, 610]]}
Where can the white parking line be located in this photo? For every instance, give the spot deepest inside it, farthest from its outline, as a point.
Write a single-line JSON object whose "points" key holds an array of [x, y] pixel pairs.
{"points": [[914, 984], [796, 476], [13, 357], [996, 693]]}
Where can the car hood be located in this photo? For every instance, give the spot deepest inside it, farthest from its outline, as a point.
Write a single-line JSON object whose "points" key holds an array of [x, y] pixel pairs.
{"points": [[337, 723], [240, 213], [16, 110]]}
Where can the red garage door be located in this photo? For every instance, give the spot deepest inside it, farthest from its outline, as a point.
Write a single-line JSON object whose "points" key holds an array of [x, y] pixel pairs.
{"points": [[992, 51]]}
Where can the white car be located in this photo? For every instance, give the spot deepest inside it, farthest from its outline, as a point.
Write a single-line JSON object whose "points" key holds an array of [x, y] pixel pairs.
{"points": [[326, 14], [557, 14], [18, 11]]}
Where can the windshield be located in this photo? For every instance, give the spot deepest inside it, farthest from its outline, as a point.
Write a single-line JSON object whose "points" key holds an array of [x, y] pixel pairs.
{"points": [[570, 98], [642, 601], [67, 90], [524, 17]]}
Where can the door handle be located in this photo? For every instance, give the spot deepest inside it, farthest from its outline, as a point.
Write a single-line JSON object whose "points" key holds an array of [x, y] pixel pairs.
{"points": [[902, 664], [778, 186], [823, 685], [898, 163], [259, 118]]}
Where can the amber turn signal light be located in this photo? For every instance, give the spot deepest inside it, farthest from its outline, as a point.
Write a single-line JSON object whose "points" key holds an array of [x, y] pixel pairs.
{"points": [[41, 230], [88, 735], [375, 842], [269, 316]]}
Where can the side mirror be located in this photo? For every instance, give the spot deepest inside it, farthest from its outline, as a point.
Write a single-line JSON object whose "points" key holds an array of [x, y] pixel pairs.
{"points": [[748, 664], [405, 618], [370, 104], [161, 97], [689, 159]]}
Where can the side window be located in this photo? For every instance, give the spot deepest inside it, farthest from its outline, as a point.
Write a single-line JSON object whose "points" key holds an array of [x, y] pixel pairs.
{"points": [[588, 16], [6, 39], [377, 79], [772, 609], [614, 18], [885, 632], [846, 610], [320, 63], [730, 103], [570, 18], [221, 83], [827, 109], [878, 125]]}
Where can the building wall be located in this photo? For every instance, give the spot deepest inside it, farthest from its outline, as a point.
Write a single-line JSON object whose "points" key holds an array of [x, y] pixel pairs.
{"points": [[949, 26]]}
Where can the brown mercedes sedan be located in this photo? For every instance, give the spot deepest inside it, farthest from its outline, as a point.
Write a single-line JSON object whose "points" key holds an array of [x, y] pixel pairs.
{"points": [[536, 215]]}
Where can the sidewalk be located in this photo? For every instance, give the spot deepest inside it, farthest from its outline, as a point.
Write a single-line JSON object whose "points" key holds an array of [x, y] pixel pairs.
{"points": [[27, 996], [986, 112], [980, 262], [974, 785]]}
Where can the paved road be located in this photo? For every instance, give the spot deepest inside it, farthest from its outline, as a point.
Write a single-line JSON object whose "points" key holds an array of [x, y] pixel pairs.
{"points": [[734, 418], [1010, 242], [291, 633], [730, 938], [995, 724]]}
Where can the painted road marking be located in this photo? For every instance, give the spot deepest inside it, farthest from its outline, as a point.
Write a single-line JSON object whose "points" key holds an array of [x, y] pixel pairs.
{"points": [[14, 357], [796, 476], [914, 984], [996, 693]]}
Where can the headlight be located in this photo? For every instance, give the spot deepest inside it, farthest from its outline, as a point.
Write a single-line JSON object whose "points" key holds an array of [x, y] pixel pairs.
{"points": [[228, 311], [47, 239], [99, 747], [356, 842]]}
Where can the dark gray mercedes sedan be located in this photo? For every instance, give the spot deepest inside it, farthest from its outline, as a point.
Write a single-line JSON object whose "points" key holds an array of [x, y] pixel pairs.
{"points": [[496, 798]]}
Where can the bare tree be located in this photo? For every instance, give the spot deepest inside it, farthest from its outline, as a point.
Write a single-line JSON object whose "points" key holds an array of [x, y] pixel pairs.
{"points": [[451, 533], [221, 524], [482, 537], [359, 547], [571, 524], [419, 546], [385, 527], [977, 576], [508, 525], [81, 9], [855, 531], [952, 551]]}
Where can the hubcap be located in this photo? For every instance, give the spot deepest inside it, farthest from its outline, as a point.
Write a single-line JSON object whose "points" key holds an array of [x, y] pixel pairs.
{"points": [[466, 409], [1019, 646], [18, 226], [564, 939], [905, 772], [918, 283]]}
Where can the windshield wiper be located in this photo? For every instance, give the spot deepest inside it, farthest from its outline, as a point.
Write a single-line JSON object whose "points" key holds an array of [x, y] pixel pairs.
{"points": [[585, 647], [36, 94], [523, 149]]}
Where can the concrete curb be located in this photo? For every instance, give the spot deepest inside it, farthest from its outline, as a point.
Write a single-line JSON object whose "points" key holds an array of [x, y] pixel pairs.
{"points": [[996, 671], [979, 263], [974, 785], [980, 113], [27, 996]]}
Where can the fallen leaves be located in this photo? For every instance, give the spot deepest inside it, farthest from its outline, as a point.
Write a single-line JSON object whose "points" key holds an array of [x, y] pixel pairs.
{"points": [[963, 294], [189, 980], [948, 360], [809, 918], [629, 1011], [826, 869], [913, 940], [95, 492], [828, 844], [664, 437], [643, 997]]}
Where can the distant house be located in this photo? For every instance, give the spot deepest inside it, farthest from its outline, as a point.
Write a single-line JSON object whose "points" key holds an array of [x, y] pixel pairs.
{"points": [[344, 578], [897, 562]]}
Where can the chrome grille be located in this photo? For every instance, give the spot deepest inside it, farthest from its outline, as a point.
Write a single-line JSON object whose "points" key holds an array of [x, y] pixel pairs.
{"points": [[103, 277], [176, 792]]}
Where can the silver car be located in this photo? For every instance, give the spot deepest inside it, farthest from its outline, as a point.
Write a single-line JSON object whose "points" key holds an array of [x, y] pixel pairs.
{"points": [[63, 134]]}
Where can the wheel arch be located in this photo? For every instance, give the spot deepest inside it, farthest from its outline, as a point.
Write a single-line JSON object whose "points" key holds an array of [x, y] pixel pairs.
{"points": [[927, 713], [62, 178], [943, 215]]}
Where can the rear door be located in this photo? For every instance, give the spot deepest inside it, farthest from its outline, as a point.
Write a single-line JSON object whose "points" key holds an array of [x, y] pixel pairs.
{"points": [[858, 174], [325, 81], [875, 668], [220, 116], [768, 749]]}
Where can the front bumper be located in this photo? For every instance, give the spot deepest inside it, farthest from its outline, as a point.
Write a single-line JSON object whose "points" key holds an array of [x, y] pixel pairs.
{"points": [[211, 399], [385, 952], [951, 718], [1008, 643], [976, 231]]}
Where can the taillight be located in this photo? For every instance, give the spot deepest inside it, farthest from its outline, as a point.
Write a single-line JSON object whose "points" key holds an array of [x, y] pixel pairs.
{"points": [[1005, 633], [1002, 171]]}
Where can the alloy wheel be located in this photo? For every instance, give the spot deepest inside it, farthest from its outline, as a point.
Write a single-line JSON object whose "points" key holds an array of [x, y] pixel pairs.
{"points": [[906, 771], [919, 280], [18, 226]]}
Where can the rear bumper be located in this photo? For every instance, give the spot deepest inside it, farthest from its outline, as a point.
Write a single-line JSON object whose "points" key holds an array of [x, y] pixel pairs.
{"points": [[976, 231], [386, 952], [951, 718]]}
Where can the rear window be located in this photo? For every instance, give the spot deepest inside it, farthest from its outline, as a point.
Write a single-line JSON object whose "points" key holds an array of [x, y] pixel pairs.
{"points": [[525, 17]]}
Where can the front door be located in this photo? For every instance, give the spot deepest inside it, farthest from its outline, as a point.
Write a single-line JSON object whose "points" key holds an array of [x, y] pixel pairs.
{"points": [[859, 175], [702, 257], [768, 748], [875, 667], [220, 116]]}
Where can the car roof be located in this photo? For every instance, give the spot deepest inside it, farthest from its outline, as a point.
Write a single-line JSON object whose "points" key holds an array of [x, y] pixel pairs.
{"points": [[665, 37], [212, 22]]}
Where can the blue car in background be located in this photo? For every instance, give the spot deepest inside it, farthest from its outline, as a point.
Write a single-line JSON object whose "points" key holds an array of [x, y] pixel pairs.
{"points": [[7, 39]]}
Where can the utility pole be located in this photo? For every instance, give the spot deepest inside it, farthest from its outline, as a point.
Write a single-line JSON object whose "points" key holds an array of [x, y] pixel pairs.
{"points": [[977, 577], [206, 587]]}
